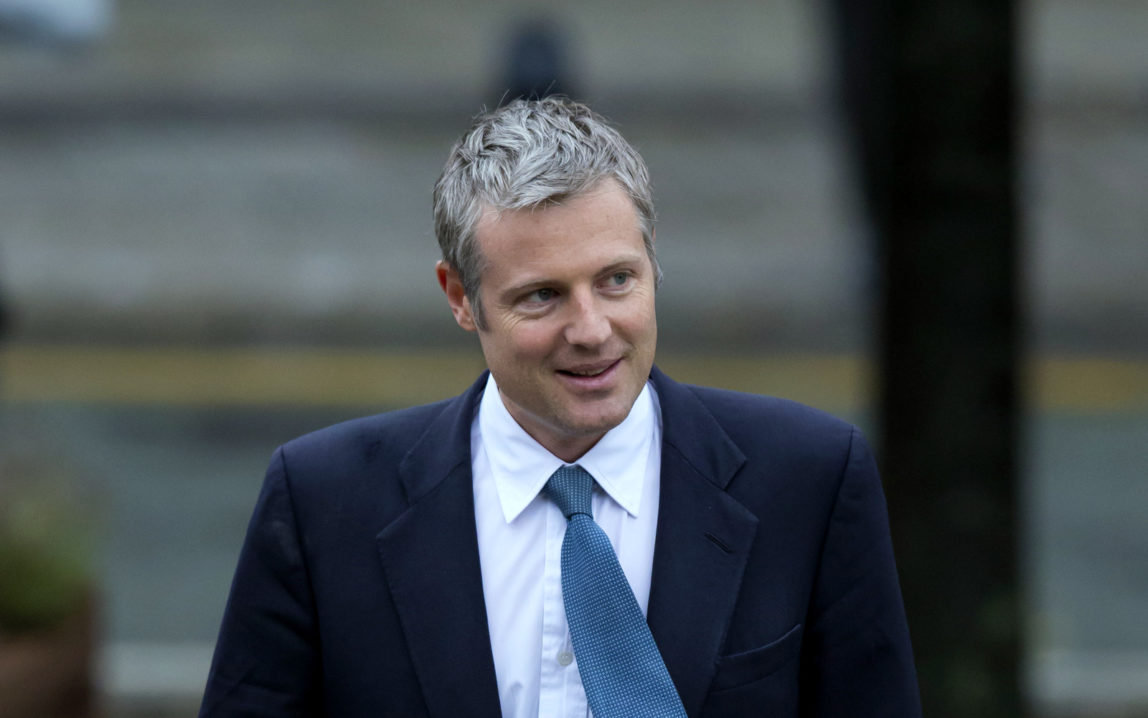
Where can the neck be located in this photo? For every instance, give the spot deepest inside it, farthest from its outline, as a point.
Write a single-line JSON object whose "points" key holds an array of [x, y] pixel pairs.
{"points": [[569, 450]]}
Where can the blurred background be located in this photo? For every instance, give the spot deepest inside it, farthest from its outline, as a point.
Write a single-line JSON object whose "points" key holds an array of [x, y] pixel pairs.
{"points": [[215, 235]]}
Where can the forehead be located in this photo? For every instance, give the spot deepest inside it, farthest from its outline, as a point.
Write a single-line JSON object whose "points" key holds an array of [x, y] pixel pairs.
{"points": [[605, 207]]}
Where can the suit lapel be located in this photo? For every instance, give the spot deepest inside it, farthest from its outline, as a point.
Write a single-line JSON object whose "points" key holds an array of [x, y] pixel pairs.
{"points": [[430, 559], [703, 541]]}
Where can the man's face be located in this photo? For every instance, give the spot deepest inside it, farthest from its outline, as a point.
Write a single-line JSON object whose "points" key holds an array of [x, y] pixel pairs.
{"points": [[567, 296]]}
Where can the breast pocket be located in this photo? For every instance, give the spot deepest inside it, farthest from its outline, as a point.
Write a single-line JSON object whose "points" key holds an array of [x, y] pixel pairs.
{"points": [[760, 681]]}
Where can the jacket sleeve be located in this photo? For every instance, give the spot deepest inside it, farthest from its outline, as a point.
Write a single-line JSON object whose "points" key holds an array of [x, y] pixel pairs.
{"points": [[267, 657], [858, 660]]}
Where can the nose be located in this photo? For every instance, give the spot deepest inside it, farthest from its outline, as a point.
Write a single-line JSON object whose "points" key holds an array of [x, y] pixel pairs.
{"points": [[588, 324]]}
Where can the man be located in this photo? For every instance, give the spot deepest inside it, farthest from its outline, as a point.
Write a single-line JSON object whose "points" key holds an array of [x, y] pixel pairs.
{"points": [[450, 559]]}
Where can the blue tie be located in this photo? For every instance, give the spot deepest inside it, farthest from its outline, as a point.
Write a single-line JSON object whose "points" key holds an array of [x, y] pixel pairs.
{"points": [[622, 671]]}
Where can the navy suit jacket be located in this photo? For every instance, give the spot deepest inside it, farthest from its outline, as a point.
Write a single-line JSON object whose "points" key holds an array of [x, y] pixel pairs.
{"points": [[774, 591]]}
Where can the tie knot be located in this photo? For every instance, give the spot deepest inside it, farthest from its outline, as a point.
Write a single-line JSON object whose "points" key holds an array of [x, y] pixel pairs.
{"points": [[569, 487]]}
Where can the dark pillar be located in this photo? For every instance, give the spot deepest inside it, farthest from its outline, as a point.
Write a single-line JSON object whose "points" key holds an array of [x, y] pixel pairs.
{"points": [[931, 98]]}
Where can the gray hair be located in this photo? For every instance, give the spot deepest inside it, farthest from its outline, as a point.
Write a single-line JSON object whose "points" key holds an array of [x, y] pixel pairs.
{"points": [[526, 154]]}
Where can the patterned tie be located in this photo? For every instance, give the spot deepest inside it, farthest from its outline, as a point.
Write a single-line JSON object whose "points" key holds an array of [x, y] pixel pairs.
{"points": [[622, 671]]}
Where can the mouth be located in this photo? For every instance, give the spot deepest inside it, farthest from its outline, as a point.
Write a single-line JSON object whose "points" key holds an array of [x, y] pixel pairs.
{"points": [[588, 371], [590, 376]]}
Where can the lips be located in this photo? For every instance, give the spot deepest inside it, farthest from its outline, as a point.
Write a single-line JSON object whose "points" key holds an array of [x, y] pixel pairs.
{"points": [[587, 372], [598, 375]]}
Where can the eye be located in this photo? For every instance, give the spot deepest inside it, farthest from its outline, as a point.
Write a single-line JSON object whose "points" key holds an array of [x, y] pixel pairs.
{"points": [[618, 280], [545, 294]]}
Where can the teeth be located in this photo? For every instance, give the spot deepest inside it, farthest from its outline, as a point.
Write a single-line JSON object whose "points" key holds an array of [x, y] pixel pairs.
{"points": [[592, 372]]}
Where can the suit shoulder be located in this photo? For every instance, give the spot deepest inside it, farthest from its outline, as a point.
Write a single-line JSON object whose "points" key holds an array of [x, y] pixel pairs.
{"points": [[781, 434], [756, 416], [355, 445], [409, 422], [795, 455]]}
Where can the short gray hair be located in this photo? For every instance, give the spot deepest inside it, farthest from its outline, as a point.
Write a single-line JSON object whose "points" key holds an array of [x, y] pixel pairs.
{"points": [[526, 154]]}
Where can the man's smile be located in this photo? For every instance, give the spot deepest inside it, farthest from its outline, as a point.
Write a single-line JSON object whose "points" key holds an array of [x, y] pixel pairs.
{"points": [[590, 369], [590, 377]]}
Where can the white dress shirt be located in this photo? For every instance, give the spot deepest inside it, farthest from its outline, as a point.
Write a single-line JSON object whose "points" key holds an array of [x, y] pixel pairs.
{"points": [[520, 544]]}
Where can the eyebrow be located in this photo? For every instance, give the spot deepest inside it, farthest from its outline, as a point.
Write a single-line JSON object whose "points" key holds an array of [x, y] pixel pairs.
{"points": [[526, 287]]}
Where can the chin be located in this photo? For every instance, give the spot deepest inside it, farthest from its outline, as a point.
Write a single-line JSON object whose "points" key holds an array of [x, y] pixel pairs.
{"points": [[597, 424]]}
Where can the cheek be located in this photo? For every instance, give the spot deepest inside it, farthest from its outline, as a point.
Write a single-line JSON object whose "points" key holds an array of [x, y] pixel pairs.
{"points": [[639, 324], [535, 342], [526, 343]]}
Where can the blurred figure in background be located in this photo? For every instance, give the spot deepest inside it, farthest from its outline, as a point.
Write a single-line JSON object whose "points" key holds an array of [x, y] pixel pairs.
{"points": [[537, 62]]}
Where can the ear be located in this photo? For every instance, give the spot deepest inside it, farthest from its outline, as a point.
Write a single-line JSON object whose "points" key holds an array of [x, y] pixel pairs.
{"points": [[451, 285]]}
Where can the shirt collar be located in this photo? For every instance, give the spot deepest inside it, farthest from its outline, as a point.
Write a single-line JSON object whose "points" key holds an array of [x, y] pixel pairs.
{"points": [[521, 466]]}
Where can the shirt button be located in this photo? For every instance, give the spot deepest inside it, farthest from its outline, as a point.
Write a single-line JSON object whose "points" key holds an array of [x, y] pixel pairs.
{"points": [[565, 658]]}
